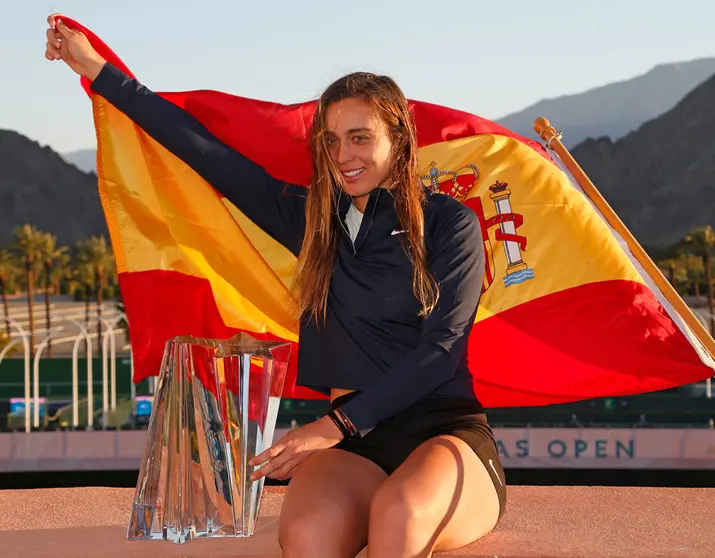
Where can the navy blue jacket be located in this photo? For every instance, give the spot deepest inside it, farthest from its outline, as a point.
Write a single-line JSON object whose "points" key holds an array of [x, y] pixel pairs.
{"points": [[374, 340]]}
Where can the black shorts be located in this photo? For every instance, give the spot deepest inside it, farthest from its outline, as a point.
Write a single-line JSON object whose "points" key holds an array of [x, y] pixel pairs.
{"points": [[392, 441]]}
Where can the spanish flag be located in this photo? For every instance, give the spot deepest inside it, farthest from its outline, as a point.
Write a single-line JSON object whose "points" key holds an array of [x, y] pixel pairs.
{"points": [[567, 313]]}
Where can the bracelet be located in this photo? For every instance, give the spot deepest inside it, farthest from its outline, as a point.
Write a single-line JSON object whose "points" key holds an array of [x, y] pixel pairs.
{"points": [[343, 429], [352, 431]]}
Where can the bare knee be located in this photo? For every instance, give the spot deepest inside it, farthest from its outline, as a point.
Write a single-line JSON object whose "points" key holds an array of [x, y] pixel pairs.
{"points": [[327, 531], [395, 512], [323, 514], [325, 509], [298, 536]]}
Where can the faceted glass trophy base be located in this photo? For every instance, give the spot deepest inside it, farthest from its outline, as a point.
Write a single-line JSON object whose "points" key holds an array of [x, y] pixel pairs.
{"points": [[215, 408]]}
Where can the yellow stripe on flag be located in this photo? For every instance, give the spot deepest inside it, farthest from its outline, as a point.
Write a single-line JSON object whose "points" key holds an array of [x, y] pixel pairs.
{"points": [[568, 244], [172, 220]]}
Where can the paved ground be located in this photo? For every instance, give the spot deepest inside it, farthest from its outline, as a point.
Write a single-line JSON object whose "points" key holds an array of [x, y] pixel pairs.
{"points": [[554, 522], [65, 317]]}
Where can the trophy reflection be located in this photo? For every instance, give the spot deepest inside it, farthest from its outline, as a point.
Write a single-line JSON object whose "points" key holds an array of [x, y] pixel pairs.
{"points": [[215, 408]]}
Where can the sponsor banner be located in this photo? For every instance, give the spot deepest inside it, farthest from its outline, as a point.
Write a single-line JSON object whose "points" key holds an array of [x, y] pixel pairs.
{"points": [[63, 450], [615, 448], [550, 448]]}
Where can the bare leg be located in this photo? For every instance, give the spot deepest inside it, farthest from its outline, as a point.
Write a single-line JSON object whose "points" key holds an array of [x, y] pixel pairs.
{"points": [[440, 498], [326, 507]]}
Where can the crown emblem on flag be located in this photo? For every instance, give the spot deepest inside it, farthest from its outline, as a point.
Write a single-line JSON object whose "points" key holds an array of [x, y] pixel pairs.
{"points": [[453, 183], [458, 184], [498, 186]]}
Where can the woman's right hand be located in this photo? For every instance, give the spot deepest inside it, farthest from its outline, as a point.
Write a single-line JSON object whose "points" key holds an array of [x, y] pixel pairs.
{"points": [[73, 48]]}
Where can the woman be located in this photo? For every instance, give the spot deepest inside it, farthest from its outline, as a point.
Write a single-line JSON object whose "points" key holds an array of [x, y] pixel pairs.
{"points": [[387, 285]]}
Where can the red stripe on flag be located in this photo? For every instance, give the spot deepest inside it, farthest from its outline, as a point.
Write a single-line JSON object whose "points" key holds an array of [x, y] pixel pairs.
{"points": [[606, 338], [165, 304]]}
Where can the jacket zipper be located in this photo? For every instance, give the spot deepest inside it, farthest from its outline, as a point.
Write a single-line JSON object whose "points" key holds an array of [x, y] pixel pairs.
{"points": [[369, 223], [340, 220]]}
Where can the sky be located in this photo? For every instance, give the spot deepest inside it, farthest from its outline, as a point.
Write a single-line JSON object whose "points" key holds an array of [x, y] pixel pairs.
{"points": [[487, 58]]}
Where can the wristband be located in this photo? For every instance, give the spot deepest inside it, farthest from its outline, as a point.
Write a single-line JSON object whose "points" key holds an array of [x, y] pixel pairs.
{"points": [[343, 429], [349, 426]]}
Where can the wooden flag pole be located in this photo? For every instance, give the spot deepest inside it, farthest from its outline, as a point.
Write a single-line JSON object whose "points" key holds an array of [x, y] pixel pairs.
{"points": [[553, 142]]}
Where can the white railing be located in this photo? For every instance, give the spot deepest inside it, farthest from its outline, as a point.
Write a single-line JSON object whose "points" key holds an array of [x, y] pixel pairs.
{"points": [[83, 335], [108, 340], [109, 368], [36, 379], [26, 344], [9, 346]]}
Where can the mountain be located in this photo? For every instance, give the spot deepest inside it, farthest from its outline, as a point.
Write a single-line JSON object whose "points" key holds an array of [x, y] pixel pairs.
{"points": [[615, 109], [38, 187], [660, 179], [84, 159]]}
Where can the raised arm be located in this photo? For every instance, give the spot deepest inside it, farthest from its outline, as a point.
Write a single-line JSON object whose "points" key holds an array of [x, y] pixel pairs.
{"points": [[276, 207]]}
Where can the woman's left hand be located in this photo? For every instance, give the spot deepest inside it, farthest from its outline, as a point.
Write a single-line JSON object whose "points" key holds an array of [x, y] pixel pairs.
{"points": [[295, 447]]}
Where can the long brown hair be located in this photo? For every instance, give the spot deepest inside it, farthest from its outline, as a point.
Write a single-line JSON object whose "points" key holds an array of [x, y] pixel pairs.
{"points": [[317, 256]]}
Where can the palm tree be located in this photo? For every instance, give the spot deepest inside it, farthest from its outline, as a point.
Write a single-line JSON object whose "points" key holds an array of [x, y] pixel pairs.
{"points": [[700, 242], [667, 258], [695, 271], [670, 264], [96, 253], [50, 254], [8, 270], [28, 246], [61, 270]]}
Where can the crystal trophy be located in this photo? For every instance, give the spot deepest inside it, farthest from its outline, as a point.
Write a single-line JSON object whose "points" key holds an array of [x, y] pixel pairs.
{"points": [[215, 408]]}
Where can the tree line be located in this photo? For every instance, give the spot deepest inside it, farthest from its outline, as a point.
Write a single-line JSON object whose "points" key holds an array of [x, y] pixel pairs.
{"points": [[688, 265], [35, 263]]}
